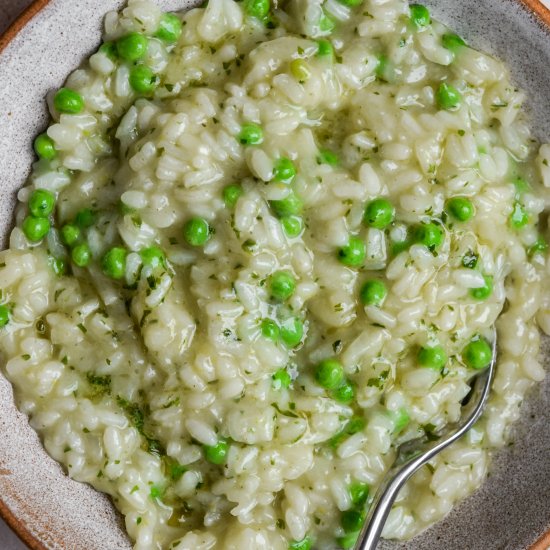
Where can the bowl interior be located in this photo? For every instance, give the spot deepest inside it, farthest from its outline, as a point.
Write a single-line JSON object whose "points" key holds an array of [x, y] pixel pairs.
{"points": [[509, 512]]}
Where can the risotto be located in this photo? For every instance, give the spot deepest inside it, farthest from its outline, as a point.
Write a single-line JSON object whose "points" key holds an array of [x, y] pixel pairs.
{"points": [[262, 246]]}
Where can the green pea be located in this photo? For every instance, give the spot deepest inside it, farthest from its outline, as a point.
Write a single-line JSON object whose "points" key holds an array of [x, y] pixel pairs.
{"points": [[35, 229], [81, 255], [143, 80], [270, 329], [70, 234], [353, 254], [373, 293], [170, 28], [401, 419], [485, 291], [328, 157], [292, 332], [114, 263], [4, 316], [59, 266], [326, 24], [217, 454], [399, 246], [292, 226], [231, 194], [44, 147], [337, 439], [68, 101], [281, 379], [132, 47], [291, 205], [352, 520], [460, 208], [355, 425], [359, 493], [300, 70], [281, 285], [284, 170], [196, 231], [109, 49], [452, 42], [448, 97], [153, 257], [420, 16], [540, 246], [430, 235], [348, 541], [344, 393], [329, 374], [41, 203], [304, 544], [251, 134], [85, 218], [433, 357], [379, 213], [519, 217], [257, 8], [477, 354], [325, 48]]}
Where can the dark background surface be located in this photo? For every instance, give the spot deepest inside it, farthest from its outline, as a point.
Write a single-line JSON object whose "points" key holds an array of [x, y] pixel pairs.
{"points": [[9, 9]]}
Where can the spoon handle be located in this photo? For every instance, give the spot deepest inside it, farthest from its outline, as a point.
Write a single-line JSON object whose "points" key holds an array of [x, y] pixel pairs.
{"points": [[378, 513], [401, 472], [383, 502]]}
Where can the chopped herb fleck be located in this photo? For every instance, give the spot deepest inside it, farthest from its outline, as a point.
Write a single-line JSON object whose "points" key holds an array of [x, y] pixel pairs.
{"points": [[379, 381]]}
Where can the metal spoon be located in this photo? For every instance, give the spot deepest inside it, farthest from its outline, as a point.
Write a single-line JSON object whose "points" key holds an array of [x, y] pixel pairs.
{"points": [[412, 455]]}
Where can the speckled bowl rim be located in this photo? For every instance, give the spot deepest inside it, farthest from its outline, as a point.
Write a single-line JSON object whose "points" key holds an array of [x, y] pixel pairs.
{"points": [[18, 526]]}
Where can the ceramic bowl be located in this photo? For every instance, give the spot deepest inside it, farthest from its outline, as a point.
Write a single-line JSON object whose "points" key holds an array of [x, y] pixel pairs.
{"points": [[48, 510]]}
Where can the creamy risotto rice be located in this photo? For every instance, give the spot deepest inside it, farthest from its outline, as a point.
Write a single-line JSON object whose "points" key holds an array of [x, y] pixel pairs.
{"points": [[261, 247]]}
